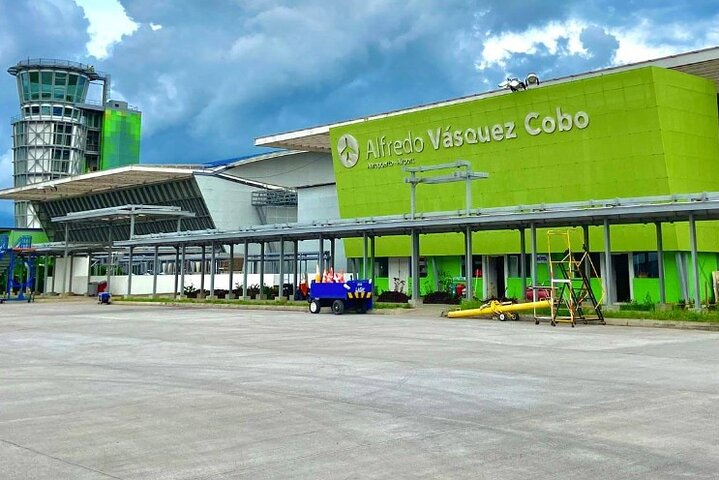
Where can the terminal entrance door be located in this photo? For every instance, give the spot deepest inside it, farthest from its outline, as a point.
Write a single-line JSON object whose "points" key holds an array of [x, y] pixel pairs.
{"points": [[620, 272], [494, 276]]}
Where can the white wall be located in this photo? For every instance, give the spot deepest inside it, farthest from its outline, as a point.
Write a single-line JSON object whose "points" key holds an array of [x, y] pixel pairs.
{"points": [[229, 203], [320, 203], [142, 284], [292, 170]]}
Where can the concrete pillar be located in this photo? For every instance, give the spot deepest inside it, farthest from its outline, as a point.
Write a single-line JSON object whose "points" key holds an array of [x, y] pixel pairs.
{"points": [[587, 267], [608, 278], [54, 272], [364, 256], [45, 274], [72, 273], [155, 266], [469, 292], [64, 256], [321, 254], [695, 261], [416, 299], [89, 269], [371, 262], [231, 272], [533, 266], [245, 266], [280, 288], [177, 268], [183, 266], [485, 283], [295, 266], [523, 262], [262, 270], [332, 254], [203, 259], [129, 273], [213, 258], [660, 263], [109, 255]]}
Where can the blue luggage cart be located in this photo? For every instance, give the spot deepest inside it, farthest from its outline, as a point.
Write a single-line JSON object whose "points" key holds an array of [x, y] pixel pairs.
{"points": [[351, 295]]}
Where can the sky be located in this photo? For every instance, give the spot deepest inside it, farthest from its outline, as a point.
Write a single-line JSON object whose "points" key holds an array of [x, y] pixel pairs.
{"points": [[210, 76]]}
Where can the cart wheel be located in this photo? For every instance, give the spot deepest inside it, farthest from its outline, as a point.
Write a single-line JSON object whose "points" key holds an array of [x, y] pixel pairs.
{"points": [[514, 316], [502, 317], [315, 306], [554, 324], [338, 307], [536, 321]]}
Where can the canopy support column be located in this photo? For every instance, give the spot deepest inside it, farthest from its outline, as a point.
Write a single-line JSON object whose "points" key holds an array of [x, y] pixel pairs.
{"points": [[695, 261], [416, 300]]}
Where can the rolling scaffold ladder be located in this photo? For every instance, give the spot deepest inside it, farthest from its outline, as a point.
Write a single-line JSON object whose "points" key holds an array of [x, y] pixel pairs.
{"points": [[572, 297]]}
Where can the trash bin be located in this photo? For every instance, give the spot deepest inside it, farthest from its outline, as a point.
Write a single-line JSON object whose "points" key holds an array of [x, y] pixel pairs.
{"points": [[92, 289]]}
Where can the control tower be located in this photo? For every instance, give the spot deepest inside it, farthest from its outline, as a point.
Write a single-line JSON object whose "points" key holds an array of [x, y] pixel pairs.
{"points": [[59, 133]]}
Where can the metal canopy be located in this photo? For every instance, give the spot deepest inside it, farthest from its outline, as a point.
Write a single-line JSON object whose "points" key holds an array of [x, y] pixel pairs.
{"points": [[146, 212], [94, 182], [673, 208], [703, 63]]}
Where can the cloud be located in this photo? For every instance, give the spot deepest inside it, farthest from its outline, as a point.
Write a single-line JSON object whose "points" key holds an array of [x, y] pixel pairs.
{"points": [[108, 24]]}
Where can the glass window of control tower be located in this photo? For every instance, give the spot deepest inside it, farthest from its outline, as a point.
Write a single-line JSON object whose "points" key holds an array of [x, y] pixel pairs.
{"points": [[34, 85], [46, 85], [25, 82], [60, 86]]}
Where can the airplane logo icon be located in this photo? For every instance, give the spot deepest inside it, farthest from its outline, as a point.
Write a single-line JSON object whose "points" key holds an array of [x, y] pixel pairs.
{"points": [[348, 150]]}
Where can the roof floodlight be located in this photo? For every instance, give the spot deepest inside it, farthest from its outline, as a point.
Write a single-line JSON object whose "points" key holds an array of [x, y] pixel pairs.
{"points": [[513, 84], [532, 79]]}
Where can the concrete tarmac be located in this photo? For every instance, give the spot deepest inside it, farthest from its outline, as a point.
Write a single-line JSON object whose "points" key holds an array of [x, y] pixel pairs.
{"points": [[145, 392]]}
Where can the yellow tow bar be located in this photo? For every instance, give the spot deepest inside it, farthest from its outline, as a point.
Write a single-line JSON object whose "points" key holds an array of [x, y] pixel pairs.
{"points": [[495, 307]]}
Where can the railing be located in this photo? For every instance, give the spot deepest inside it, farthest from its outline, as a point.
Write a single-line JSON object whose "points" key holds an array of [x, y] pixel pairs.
{"points": [[50, 62]]}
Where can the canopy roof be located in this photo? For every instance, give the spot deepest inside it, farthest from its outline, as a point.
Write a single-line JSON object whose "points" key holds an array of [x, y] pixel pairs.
{"points": [[672, 208], [95, 182]]}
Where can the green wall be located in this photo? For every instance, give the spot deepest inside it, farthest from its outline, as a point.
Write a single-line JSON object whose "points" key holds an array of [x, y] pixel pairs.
{"points": [[648, 131], [120, 143], [38, 236]]}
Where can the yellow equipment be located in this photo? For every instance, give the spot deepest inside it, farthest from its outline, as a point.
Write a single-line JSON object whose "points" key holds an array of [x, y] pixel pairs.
{"points": [[572, 295], [501, 310]]}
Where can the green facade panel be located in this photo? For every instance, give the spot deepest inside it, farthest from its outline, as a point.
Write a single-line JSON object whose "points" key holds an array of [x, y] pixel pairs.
{"points": [[120, 144], [648, 131]]}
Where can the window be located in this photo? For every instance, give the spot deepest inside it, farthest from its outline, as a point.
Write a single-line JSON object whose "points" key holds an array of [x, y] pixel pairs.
{"points": [[513, 266], [422, 267], [80, 92], [35, 85], [46, 85], [645, 265], [381, 267], [71, 86], [25, 86]]}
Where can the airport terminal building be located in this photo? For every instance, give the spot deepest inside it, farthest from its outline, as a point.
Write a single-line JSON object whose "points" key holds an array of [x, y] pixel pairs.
{"points": [[636, 134]]}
